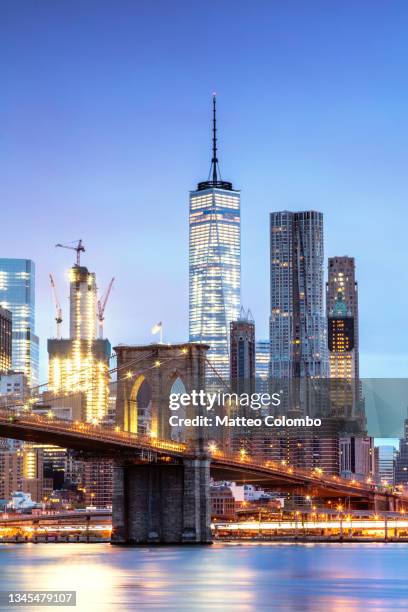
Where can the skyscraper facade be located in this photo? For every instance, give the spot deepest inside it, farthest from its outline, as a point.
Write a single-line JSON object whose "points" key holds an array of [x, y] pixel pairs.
{"points": [[79, 366], [385, 463], [5, 340], [340, 324], [214, 262], [82, 303], [342, 281], [17, 294], [242, 348], [297, 321], [262, 361], [401, 462]]}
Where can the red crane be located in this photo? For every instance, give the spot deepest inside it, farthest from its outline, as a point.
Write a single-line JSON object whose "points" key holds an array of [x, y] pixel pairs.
{"points": [[58, 309], [101, 308]]}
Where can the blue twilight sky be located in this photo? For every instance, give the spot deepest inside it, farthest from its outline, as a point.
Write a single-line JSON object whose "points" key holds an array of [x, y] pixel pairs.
{"points": [[105, 111]]}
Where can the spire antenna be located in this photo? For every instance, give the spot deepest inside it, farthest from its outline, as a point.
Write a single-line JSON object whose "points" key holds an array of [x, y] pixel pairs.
{"points": [[214, 161], [214, 180]]}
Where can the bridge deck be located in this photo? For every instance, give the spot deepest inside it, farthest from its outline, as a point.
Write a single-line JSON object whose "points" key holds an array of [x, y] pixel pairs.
{"points": [[108, 442]]}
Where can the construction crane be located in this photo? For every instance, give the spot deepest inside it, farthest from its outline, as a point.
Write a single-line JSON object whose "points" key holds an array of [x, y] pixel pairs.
{"points": [[101, 308], [58, 309], [79, 248]]}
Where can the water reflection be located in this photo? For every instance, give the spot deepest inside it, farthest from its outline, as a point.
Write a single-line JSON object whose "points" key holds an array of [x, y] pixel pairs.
{"points": [[246, 577]]}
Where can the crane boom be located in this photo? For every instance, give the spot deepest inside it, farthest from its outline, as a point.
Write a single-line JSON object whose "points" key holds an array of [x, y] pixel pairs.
{"points": [[101, 307], [58, 309], [79, 248]]}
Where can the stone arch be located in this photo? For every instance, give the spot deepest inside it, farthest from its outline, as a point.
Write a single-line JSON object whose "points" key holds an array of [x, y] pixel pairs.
{"points": [[176, 385], [140, 406], [161, 365]]}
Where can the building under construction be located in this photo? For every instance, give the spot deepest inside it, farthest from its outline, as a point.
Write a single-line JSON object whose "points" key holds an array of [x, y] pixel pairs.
{"points": [[79, 365]]}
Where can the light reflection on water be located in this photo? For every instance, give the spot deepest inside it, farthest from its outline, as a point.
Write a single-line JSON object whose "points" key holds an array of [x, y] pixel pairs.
{"points": [[312, 577]]}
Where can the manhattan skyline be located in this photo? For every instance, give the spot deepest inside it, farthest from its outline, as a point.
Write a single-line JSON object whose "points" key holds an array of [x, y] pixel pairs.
{"points": [[310, 118]]}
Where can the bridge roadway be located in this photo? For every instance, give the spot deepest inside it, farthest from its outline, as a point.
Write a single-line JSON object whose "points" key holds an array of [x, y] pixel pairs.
{"points": [[224, 466]]}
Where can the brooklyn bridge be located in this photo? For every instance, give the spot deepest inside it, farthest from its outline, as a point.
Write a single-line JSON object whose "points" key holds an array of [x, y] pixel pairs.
{"points": [[162, 486]]}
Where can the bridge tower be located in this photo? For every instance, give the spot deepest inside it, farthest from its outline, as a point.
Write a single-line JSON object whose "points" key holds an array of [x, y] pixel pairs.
{"points": [[158, 501], [160, 366]]}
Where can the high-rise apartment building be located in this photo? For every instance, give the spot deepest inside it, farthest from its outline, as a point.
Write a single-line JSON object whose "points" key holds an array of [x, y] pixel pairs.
{"points": [[79, 366], [17, 294], [297, 322], [5, 340], [214, 262], [98, 483], [11, 469]]}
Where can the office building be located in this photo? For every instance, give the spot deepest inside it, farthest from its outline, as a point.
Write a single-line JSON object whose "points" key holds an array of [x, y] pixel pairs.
{"points": [[14, 389], [242, 354], [32, 481], [262, 364], [17, 294], [356, 452], [5, 340], [401, 460], [357, 457], [385, 464], [297, 322], [214, 262]]}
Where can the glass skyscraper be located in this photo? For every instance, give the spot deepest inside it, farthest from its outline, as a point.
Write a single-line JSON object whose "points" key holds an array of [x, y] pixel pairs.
{"points": [[214, 263], [17, 294]]}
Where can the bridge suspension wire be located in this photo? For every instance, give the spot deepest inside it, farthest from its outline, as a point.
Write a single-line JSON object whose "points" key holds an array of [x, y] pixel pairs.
{"points": [[85, 390], [89, 388], [133, 362], [45, 384], [217, 374]]}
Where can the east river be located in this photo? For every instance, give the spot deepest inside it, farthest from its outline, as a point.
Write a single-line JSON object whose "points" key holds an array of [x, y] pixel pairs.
{"points": [[313, 577]]}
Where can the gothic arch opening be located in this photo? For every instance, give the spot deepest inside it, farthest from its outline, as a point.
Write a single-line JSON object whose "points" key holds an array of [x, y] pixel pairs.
{"points": [[141, 407], [178, 433]]}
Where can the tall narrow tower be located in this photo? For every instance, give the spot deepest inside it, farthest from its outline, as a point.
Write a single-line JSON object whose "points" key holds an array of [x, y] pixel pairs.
{"points": [[17, 294], [214, 262], [342, 279], [82, 304], [297, 322], [79, 365]]}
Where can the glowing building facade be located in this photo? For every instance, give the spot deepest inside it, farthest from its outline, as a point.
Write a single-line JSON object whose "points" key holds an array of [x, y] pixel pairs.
{"points": [[262, 363], [341, 281], [5, 340], [80, 365], [214, 263], [341, 341], [17, 294]]}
